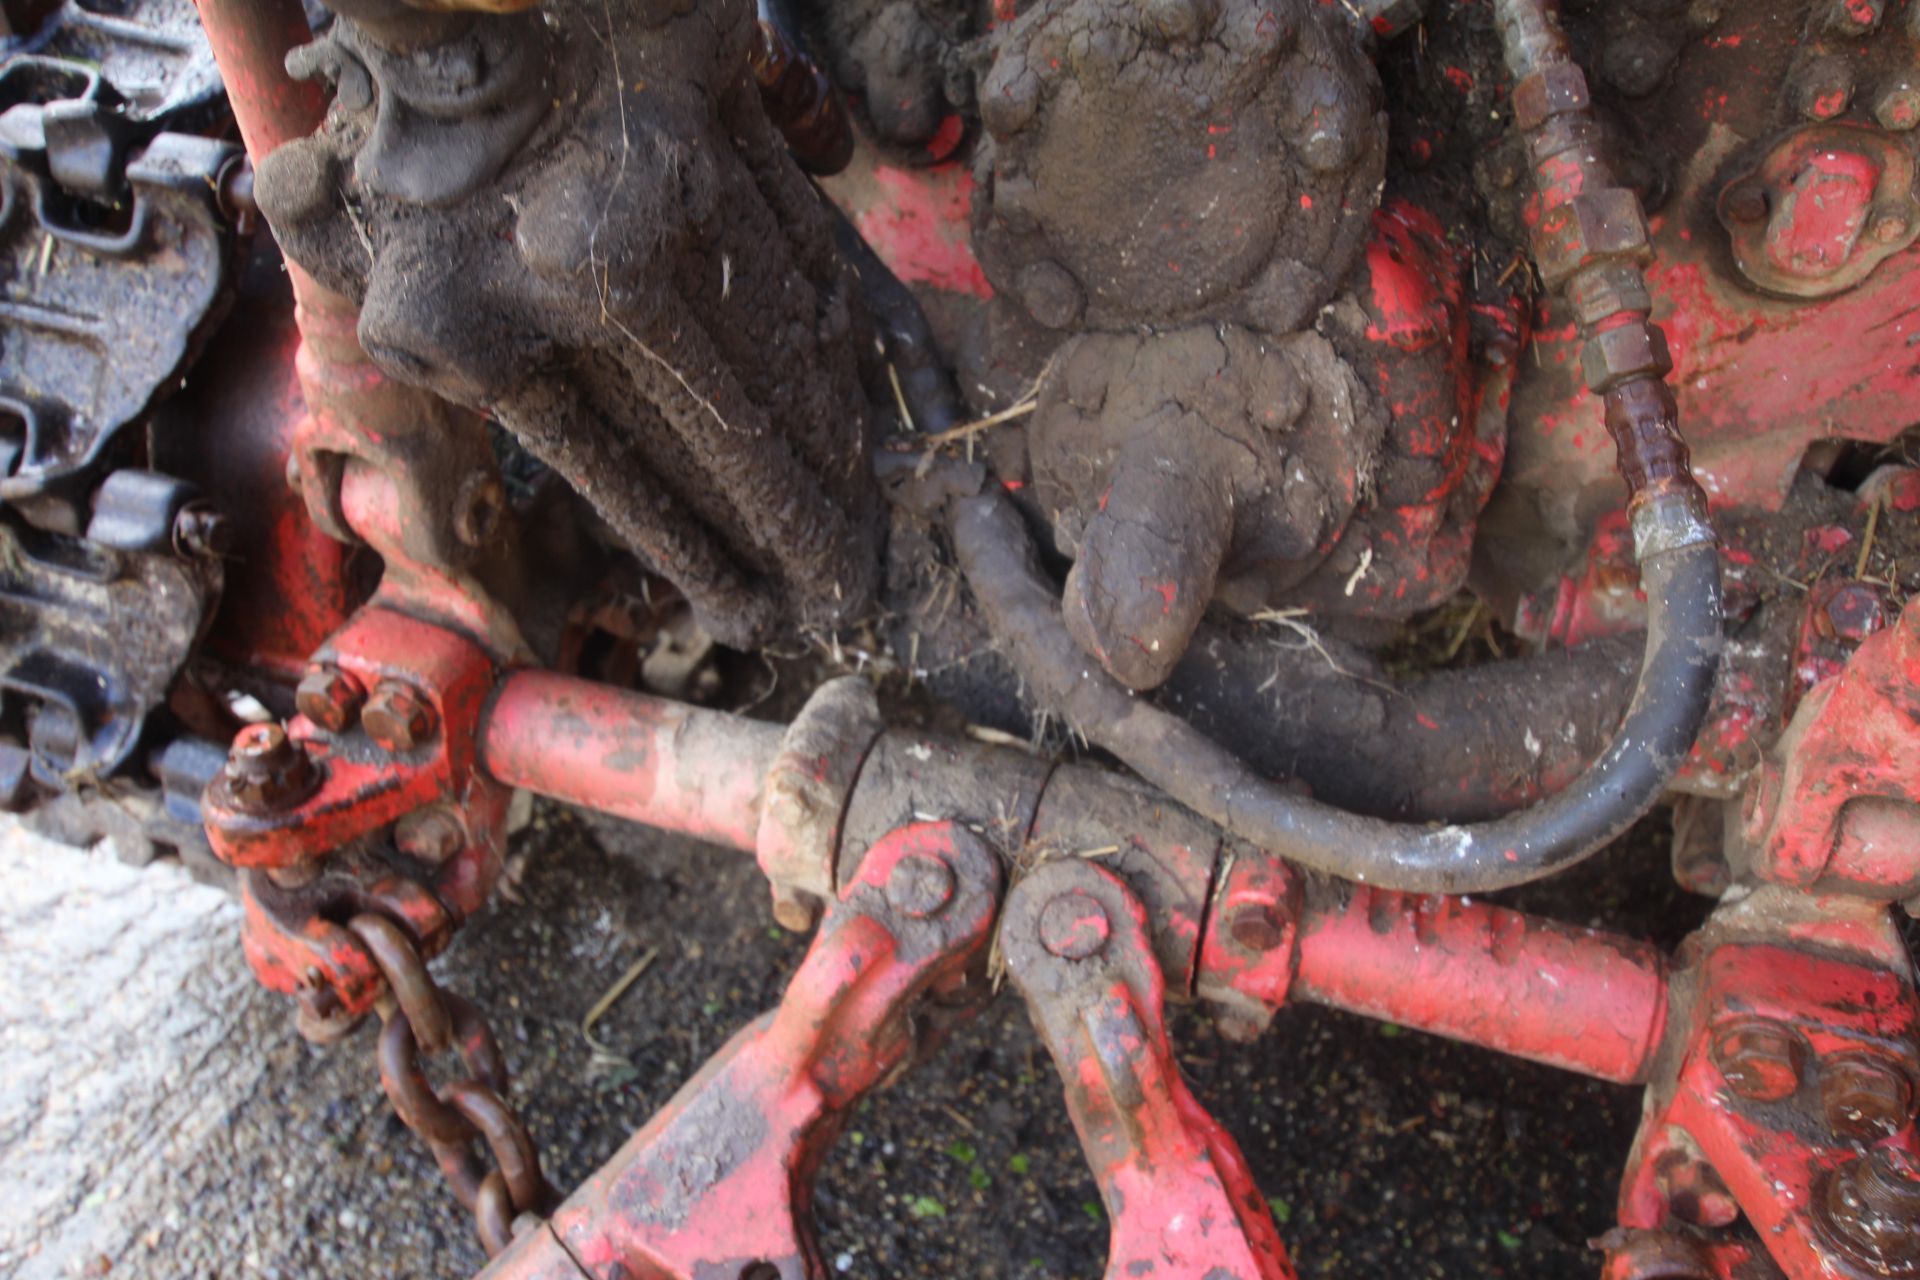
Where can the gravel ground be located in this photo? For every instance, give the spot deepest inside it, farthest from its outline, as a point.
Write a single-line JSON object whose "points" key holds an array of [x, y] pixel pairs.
{"points": [[158, 1118]]}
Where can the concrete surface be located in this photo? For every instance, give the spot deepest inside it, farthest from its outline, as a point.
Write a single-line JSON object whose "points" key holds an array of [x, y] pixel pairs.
{"points": [[159, 1119]]}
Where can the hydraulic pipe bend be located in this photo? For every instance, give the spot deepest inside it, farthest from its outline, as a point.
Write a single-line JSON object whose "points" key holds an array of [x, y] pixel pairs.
{"points": [[1678, 555]]}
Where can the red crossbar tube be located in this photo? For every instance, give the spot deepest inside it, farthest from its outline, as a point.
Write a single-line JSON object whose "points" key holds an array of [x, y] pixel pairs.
{"points": [[661, 763], [1576, 998]]}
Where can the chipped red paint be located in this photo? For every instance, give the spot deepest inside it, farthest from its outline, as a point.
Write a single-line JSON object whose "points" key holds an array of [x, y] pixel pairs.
{"points": [[917, 223], [912, 924], [1830, 808], [1829, 981], [1757, 379], [663, 763], [1574, 998]]}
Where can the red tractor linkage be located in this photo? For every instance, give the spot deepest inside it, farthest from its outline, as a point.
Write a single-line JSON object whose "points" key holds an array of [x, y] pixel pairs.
{"points": [[1777, 1045]]}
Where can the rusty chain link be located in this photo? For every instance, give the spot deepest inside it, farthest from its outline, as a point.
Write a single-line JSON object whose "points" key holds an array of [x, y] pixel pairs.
{"points": [[422, 1018]]}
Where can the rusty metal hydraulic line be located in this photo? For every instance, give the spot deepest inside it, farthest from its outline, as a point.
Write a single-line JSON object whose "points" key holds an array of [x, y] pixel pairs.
{"points": [[1590, 238]]}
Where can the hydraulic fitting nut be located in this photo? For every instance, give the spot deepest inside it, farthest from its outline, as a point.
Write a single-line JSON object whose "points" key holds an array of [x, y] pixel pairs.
{"points": [[1610, 289], [330, 698], [1587, 229], [397, 717], [1761, 1060], [1625, 353], [1555, 90], [1865, 1098]]}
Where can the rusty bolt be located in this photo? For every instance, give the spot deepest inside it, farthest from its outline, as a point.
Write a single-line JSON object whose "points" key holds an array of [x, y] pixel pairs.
{"points": [[266, 771], [1257, 927], [1074, 926], [201, 533], [1824, 88], [1856, 17], [920, 886], [1761, 1060], [432, 835], [1853, 611], [1865, 1098], [1868, 1209], [1897, 108], [1557, 89], [397, 717], [330, 698], [796, 912]]}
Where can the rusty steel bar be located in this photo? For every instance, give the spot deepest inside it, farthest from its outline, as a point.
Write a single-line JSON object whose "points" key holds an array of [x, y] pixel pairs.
{"points": [[665, 764], [1575, 998]]}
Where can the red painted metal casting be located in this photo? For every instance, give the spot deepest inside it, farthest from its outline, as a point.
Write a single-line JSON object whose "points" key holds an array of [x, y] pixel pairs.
{"points": [[720, 1182], [1179, 1194]]}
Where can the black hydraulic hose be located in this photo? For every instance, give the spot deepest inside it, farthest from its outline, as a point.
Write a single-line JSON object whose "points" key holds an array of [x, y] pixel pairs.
{"points": [[1590, 242], [997, 556], [925, 382]]}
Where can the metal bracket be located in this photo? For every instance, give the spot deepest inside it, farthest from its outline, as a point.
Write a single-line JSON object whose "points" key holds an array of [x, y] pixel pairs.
{"points": [[1181, 1198], [720, 1182]]}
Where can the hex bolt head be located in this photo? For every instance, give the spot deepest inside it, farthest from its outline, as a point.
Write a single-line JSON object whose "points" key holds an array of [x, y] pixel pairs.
{"points": [[330, 698], [1853, 611], [397, 717], [1825, 88], [920, 886], [266, 771], [1761, 1060], [1865, 1098], [432, 835], [1074, 926], [1897, 109]]}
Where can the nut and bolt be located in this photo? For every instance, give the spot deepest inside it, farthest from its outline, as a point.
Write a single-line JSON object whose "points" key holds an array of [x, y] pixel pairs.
{"points": [[1074, 926], [330, 698], [1868, 1208], [1257, 927], [1865, 1098], [266, 771], [1762, 1061], [432, 835], [1852, 611], [397, 717], [920, 886]]}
